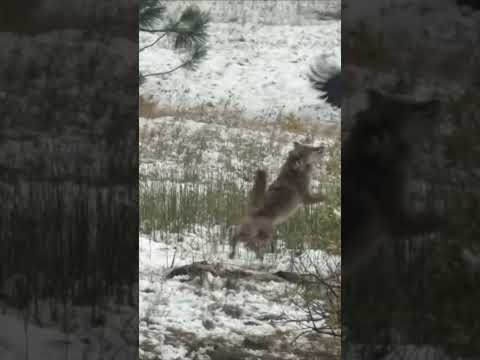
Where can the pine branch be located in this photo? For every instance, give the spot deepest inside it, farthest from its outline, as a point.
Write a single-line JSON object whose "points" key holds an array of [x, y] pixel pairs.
{"points": [[191, 29], [153, 43], [149, 12], [198, 54], [153, 31], [190, 64], [189, 33]]}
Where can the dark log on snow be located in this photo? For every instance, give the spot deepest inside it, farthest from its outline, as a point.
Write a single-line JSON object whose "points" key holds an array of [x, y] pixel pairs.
{"points": [[199, 269], [195, 269]]}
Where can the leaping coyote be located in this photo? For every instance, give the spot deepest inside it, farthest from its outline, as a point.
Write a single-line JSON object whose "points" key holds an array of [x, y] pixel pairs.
{"points": [[273, 206]]}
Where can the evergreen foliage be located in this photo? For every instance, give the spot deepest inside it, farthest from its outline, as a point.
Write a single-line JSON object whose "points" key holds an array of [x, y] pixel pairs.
{"points": [[188, 33]]}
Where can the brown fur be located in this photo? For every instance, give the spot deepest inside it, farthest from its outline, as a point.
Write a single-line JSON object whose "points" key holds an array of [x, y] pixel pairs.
{"points": [[284, 196], [257, 195]]}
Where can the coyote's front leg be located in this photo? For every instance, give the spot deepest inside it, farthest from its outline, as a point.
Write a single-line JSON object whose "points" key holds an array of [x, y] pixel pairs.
{"points": [[309, 199]]}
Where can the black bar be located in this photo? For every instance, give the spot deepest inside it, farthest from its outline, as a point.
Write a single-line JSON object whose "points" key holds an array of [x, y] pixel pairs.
{"points": [[410, 184], [69, 179]]}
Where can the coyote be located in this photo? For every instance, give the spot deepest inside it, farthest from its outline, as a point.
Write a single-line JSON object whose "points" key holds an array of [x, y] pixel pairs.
{"points": [[273, 206], [375, 161]]}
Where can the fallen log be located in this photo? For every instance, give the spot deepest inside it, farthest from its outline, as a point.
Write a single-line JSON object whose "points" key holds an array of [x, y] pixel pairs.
{"points": [[199, 269], [194, 269]]}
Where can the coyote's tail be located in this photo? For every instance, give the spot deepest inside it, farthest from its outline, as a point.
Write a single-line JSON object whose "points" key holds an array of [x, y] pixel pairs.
{"points": [[328, 81], [257, 194]]}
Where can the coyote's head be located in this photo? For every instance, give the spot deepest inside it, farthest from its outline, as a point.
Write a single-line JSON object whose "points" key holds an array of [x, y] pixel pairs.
{"points": [[302, 156]]}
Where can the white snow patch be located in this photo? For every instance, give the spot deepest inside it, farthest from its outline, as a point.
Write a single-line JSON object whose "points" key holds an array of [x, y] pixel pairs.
{"points": [[261, 69], [173, 305]]}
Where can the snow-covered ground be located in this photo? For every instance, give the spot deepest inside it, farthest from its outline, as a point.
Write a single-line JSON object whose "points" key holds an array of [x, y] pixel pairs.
{"points": [[260, 69], [268, 12], [182, 319]]}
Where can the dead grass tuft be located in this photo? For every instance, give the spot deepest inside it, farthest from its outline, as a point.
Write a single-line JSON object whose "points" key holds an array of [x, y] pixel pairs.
{"points": [[234, 117], [147, 108]]}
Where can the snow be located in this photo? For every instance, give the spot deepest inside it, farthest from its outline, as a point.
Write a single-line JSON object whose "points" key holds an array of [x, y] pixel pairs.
{"points": [[257, 68], [175, 306], [268, 12]]}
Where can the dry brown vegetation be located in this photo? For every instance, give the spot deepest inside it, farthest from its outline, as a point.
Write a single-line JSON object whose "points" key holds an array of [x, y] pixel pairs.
{"points": [[233, 117]]}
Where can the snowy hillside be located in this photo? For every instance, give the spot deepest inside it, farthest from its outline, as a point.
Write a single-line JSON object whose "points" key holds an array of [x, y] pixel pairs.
{"points": [[260, 69], [267, 12]]}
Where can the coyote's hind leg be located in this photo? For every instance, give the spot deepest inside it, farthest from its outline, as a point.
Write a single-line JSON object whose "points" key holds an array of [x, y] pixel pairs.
{"points": [[233, 245], [238, 235]]}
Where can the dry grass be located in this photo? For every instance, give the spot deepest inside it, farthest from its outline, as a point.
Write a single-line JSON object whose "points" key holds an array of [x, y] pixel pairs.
{"points": [[148, 109], [188, 189], [231, 116]]}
